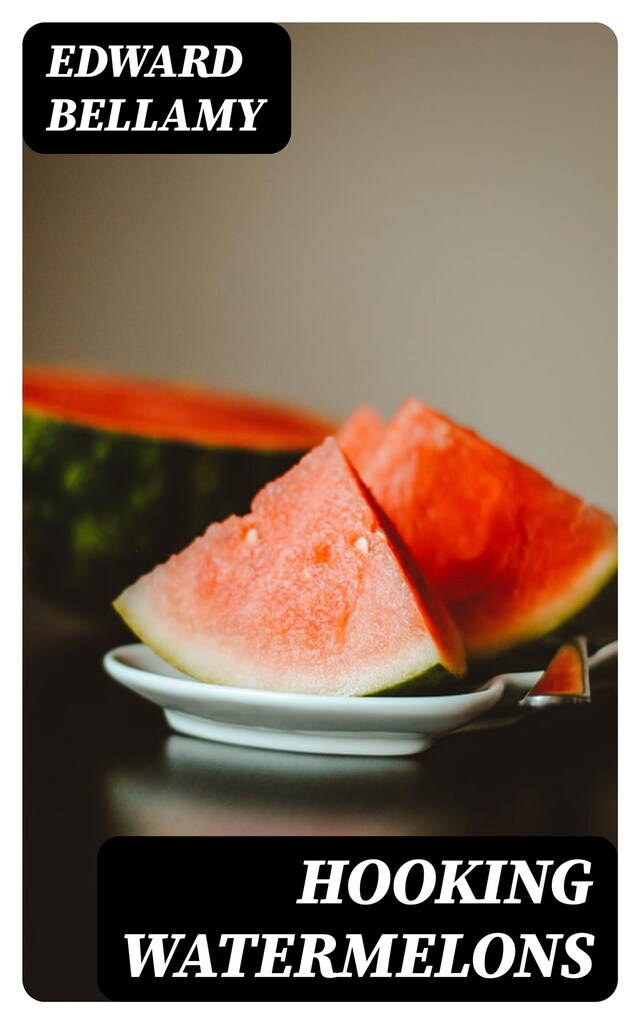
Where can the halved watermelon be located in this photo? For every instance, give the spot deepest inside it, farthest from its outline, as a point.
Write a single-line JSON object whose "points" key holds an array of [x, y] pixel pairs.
{"points": [[305, 593], [511, 554], [119, 472]]}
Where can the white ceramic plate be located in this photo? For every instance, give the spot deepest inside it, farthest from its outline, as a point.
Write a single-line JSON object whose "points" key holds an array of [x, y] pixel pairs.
{"points": [[295, 721]]}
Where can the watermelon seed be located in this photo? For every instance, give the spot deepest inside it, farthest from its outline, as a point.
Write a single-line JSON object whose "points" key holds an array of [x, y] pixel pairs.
{"points": [[251, 536], [362, 544]]}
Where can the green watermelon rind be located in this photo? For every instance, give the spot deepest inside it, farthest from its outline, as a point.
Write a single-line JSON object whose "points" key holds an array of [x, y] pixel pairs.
{"points": [[436, 681], [103, 507]]}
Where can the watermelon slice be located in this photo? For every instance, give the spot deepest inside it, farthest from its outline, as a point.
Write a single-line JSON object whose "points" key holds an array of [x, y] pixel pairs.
{"points": [[566, 676], [511, 554], [360, 435], [306, 593]]}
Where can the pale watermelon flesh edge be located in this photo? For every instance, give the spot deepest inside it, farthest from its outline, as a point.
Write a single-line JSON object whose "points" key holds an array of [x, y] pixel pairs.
{"points": [[436, 678], [415, 670]]}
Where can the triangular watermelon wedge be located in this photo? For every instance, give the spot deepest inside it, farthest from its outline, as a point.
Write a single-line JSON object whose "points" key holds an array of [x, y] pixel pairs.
{"points": [[306, 593], [566, 677], [511, 554]]}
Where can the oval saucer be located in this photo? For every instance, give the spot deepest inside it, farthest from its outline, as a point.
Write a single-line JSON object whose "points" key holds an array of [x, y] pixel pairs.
{"points": [[381, 726]]}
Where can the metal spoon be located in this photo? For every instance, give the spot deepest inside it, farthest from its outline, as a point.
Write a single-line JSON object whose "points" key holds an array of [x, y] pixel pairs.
{"points": [[518, 685]]}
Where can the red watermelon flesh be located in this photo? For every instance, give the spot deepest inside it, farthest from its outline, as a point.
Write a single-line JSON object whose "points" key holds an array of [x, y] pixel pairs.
{"points": [[170, 411], [361, 434], [305, 593], [566, 675], [511, 554]]}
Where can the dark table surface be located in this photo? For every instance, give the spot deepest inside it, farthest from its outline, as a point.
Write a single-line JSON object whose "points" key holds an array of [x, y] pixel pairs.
{"points": [[100, 761]]}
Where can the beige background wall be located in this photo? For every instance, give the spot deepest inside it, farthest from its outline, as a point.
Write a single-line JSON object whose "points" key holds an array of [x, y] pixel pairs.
{"points": [[442, 223]]}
